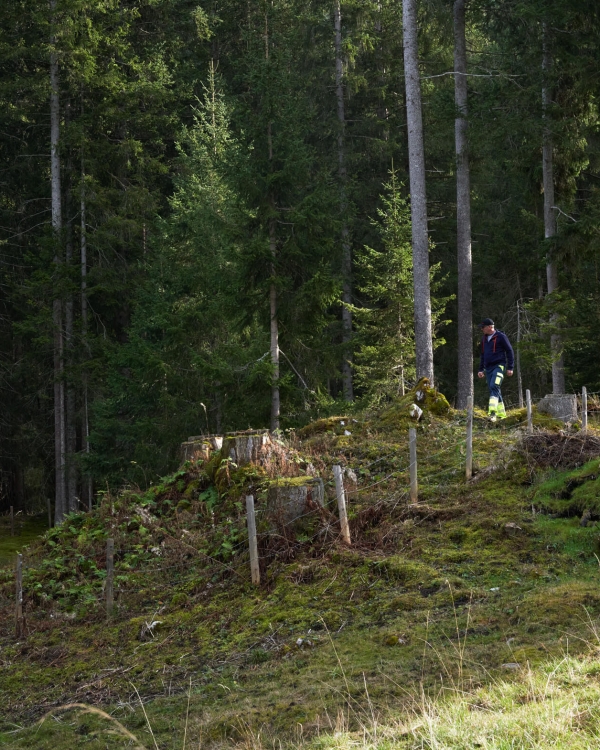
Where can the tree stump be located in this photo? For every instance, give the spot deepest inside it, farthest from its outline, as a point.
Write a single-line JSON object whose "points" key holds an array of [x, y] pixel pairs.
{"points": [[295, 502], [200, 447], [248, 448], [561, 406]]}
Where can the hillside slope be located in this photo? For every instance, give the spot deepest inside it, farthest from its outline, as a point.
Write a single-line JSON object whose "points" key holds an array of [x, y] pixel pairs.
{"points": [[473, 585]]}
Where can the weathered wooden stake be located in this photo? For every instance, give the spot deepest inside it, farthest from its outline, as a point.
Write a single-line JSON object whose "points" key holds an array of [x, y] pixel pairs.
{"points": [[19, 624], [469, 456], [584, 408], [412, 445], [529, 413], [341, 501], [110, 572], [252, 543]]}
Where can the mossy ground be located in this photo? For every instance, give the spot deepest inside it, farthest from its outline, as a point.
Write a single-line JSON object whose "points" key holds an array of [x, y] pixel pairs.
{"points": [[27, 530], [441, 593]]}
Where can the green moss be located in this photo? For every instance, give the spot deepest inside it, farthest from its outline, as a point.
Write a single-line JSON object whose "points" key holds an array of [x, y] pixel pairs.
{"points": [[179, 600], [320, 426], [572, 492], [291, 481], [427, 398], [407, 572]]}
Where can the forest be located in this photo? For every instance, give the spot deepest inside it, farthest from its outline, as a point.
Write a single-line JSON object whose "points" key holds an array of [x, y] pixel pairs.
{"points": [[219, 215]]}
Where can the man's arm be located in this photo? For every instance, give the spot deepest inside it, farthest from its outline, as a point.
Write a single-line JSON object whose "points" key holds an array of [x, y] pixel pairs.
{"points": [[510, 355]]}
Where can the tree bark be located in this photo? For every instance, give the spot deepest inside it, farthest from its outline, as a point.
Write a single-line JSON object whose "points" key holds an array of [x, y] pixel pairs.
{"points": [[346, 246], [418, 201], [463, 212], [88, 490], [71, 502], [57, 313], [275, 401], [274, 323], [558, 368]]}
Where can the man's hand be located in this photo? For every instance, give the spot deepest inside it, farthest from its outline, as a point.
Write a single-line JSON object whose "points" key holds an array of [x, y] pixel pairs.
{"points": [[482, 374], [509, 373]]}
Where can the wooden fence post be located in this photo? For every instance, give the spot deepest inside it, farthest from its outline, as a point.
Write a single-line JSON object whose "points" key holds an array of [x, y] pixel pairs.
{"points": [[469, 451], [529, 413], [412, 445], [584, 408], [19, 624], [252, 543], [110, 571], [341, 501]]}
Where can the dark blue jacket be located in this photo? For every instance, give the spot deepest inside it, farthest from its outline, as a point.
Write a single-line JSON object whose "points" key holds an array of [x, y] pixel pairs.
{"points": [[496, 351]]}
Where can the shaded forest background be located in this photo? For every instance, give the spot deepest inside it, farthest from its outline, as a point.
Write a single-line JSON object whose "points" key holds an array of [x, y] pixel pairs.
{"points": [[200, 175]]}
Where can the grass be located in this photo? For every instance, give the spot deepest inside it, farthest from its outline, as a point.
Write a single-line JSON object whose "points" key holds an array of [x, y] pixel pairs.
{"points": [[399, 641], [27, 530]]}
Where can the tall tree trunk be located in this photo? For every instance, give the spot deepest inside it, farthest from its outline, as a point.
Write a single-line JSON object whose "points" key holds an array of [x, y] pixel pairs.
{"points": [[85, 424], [275, 401], [72, 503], [463, 212], [274, 323], [418, 201], [558, 367], [57, 313], [342, 173]]}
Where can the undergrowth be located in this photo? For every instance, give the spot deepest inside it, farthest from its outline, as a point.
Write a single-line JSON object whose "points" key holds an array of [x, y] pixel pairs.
{"points": [[423, 613]]}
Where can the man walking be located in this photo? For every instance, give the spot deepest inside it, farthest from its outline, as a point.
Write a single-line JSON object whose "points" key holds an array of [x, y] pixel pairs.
{"points": [[497, 359]]}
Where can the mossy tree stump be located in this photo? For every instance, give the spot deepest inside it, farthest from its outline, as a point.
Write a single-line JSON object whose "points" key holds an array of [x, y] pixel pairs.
{"points": [[295, 503]]}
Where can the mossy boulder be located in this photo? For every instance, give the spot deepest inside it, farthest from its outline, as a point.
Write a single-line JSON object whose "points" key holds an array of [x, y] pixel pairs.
{"points": [[430, 401], [335, 425]]}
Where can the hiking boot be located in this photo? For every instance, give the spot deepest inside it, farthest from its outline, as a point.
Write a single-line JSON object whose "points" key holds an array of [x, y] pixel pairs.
{"points": [[492, 417]]}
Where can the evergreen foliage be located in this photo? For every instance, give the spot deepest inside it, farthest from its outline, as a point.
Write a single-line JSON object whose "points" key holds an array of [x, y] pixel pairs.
{"points": [[199, 142]]}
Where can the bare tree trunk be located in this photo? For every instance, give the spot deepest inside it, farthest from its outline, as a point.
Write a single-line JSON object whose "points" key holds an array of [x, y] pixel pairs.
{"points": [[71, 503], [275, 402], [57, 315], [70, 405], [418, 201], [463, 212], [346, 246], [558, 367], [274, 327], [87, 481], [518, 355]]}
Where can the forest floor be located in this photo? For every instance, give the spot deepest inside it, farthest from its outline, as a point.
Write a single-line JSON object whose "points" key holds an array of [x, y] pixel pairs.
{"points": [[467, 619]]}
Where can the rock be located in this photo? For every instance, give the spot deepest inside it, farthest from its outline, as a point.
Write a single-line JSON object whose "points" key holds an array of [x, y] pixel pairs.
{"points": [[511, 528], [560, 406], [510, 665], [415, 412], [147, 518], [585, 518], [148, 628]]}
